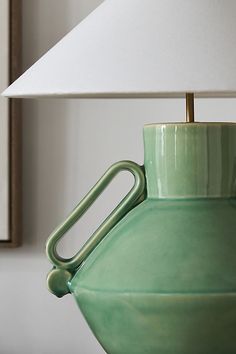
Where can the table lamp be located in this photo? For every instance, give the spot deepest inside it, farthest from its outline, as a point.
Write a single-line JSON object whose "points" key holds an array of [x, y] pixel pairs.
{"points": [[159, 274]]}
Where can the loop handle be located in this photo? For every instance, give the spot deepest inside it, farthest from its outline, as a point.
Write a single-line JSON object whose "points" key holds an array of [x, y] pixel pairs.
{"points": [[135, 196]]}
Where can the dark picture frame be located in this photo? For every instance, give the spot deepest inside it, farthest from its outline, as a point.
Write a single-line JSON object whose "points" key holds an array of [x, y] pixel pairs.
{"points": [[14, 123]]}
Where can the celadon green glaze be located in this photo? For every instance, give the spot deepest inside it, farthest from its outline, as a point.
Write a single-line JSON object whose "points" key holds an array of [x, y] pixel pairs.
{"points": [[163, 279]]}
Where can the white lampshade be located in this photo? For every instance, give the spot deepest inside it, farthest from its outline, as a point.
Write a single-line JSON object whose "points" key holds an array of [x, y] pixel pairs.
{"points": [[141, 48]]}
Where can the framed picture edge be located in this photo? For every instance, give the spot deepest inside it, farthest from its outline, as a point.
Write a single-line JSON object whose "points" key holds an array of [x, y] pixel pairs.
{"points": [[15, 156]]}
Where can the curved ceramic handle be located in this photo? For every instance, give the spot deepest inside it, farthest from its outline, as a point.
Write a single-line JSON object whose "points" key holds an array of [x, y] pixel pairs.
{"points": [[64, 268]]}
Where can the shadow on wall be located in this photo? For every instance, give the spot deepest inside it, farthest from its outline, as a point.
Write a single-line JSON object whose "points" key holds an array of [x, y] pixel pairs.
{"points": [[45, 127], [46, 133], [45, 145]]}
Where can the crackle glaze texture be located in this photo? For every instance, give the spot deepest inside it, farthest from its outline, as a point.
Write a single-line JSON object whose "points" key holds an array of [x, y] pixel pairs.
{"points": [[163, 280]]}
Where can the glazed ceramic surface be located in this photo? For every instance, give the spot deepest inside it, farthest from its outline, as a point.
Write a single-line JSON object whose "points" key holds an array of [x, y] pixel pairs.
{"points": [[163, 279]]}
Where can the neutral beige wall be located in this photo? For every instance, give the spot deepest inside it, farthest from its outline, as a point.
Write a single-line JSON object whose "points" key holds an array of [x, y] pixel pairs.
{"points": [[67, 146]]}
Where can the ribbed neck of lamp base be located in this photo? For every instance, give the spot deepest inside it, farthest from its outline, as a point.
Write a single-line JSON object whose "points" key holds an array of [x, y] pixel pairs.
{"points": [[190, 160]]}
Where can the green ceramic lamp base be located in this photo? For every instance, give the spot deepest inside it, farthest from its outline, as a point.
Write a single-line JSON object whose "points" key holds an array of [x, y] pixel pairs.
{"points": [[158, 276]]}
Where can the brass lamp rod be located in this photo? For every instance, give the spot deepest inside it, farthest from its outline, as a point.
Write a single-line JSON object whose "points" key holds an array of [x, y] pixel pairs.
{"points": [[190, 107]]}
